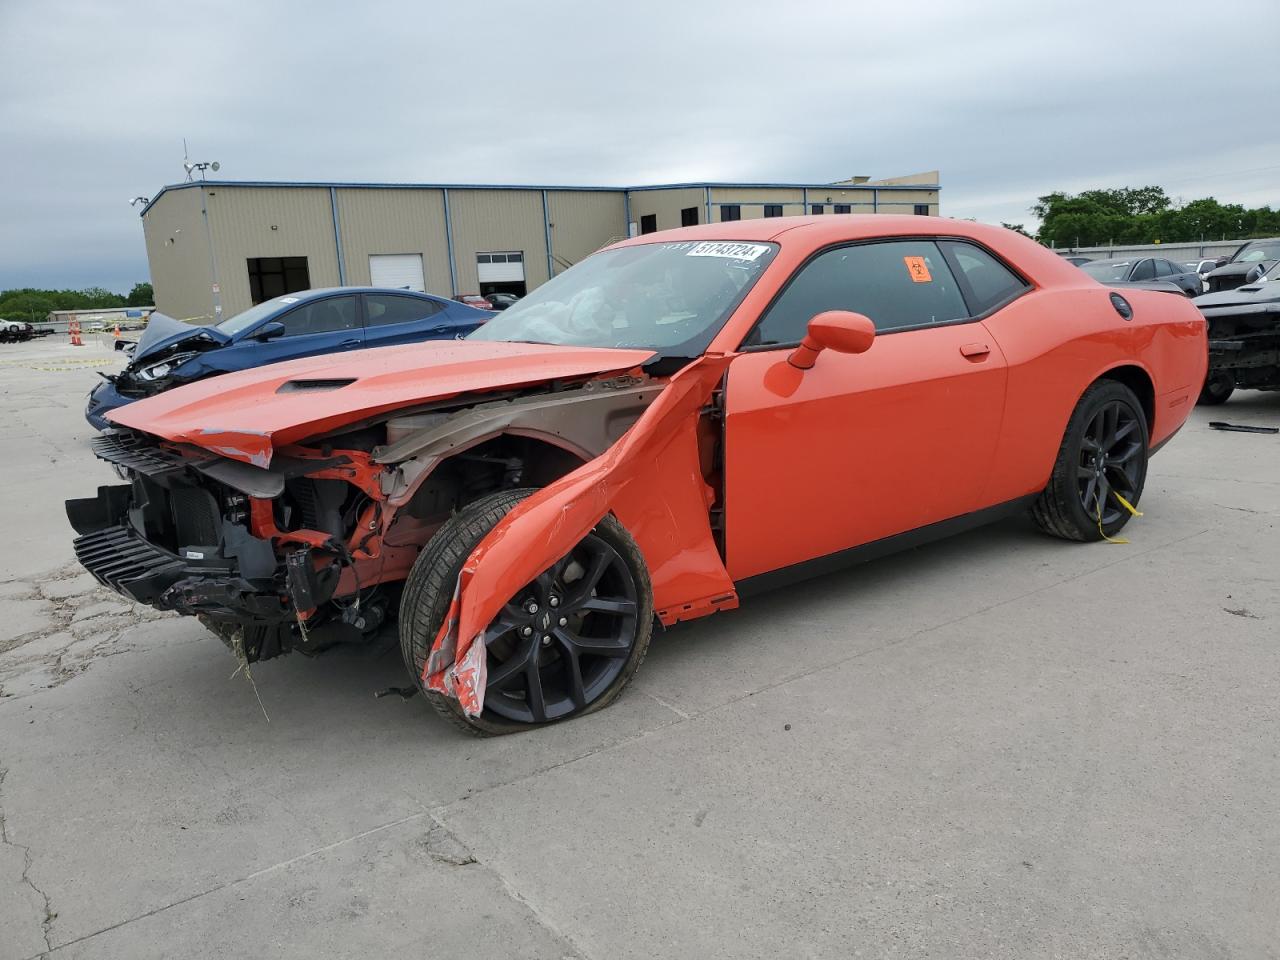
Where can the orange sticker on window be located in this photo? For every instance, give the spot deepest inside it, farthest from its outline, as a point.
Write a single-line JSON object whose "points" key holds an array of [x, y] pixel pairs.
{"points": [[918, 269]]}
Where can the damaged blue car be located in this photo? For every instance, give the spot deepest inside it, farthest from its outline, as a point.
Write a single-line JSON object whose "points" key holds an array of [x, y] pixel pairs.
{"points": [[171, 352]]}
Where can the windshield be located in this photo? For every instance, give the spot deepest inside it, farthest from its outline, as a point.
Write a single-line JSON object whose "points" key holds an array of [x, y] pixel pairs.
{"points": [[243, 321], [668, 297], [1107, 270], [1253, 252]]}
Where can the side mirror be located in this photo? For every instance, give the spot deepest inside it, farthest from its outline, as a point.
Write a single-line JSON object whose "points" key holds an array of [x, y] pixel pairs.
{"points": [[269, 331], [840, 330]]}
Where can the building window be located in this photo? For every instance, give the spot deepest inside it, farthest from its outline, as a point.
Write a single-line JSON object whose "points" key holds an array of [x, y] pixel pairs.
{"points": [[649, 223], [817, 208], [773, 209], [843, 208], [689, 217], [730, 211], [922, 209], [275, 276]]}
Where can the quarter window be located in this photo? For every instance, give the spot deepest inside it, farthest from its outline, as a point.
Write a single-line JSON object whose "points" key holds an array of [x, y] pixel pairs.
{"points": [[898, 284], [322, 316], [990, 282], [380, 309]]}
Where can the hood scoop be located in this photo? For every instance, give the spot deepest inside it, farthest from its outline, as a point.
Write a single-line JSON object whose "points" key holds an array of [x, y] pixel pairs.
{"points": [[315, 386]]}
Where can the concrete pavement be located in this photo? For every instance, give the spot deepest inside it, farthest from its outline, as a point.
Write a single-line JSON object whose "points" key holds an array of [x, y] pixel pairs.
{"points": [[996, 746]]}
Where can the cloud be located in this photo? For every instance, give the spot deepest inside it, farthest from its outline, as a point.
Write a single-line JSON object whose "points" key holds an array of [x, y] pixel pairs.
{"points": [[1008, 100]]}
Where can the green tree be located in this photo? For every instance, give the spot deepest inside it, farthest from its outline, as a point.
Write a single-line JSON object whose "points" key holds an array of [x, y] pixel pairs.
{"points": [[1016, 228], [140, 296]]}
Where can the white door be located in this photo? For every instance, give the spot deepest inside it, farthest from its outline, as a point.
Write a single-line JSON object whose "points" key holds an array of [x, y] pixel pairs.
{"points": [[398, 271], [500, 267]]}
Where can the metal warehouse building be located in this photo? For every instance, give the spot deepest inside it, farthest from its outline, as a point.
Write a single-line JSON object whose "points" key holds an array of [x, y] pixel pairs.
{"points": [[216, 248]]}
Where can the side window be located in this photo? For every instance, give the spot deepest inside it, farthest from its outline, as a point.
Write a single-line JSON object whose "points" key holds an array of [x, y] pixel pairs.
{"points": [[380, 309], [990, 282], [897, 283], [323, 316], [1145, 270]]}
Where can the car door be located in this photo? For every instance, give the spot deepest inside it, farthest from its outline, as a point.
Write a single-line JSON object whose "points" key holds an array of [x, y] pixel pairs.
{"points": [[394, 318], [860, 447], [324, 325]]}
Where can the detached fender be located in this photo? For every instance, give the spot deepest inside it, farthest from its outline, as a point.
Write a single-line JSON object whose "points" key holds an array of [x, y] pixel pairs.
{"points": [[652, 482]]}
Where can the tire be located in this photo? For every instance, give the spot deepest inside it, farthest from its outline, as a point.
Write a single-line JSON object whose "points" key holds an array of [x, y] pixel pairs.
{"points": [[1218, 387], [557, 659], [1093, 464]]}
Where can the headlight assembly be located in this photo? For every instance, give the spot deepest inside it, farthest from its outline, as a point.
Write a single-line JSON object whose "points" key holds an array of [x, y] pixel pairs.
{"points": [[162, 368]]}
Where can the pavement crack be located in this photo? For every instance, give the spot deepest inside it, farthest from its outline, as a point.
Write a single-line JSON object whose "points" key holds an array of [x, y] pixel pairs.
{"points": [[46, 921]]}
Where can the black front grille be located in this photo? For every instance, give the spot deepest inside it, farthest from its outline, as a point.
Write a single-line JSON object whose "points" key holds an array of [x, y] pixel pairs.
{"points": [[132, 451], [195, 515], [128, 564]]}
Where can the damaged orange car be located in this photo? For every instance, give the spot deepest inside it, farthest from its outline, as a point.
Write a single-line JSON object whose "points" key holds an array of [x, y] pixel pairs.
{"points": [[679, 419]]}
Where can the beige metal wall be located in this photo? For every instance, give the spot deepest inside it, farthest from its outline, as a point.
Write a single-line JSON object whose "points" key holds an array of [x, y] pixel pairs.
{"points": [[583, 221], [247, 222], [752, 201], [489, 220], [904, 201], [394, 221], [178, 254], [666, 205]]}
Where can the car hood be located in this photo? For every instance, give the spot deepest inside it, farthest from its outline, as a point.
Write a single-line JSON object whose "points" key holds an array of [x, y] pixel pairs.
{"points": [[164, 332], [247, 415], [1235, 269], [1250, 293]]}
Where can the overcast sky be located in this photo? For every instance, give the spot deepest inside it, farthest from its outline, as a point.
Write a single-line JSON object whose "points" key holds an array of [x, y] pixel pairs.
{"points": [[1008, 100]]}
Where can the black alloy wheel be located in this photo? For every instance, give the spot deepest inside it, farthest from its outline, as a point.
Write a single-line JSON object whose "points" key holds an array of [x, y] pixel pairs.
{"points": [[1112, 461], [565, 645], [562, 642]]}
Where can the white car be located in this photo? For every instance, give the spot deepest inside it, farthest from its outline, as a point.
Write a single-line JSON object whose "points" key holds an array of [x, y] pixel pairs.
{"points": [[12, 331]]}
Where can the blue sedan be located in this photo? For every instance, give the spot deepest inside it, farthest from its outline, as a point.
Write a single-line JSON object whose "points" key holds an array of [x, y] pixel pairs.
{"points": [[171, 353]]}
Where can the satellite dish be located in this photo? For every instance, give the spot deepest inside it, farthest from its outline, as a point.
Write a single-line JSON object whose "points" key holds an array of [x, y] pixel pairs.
{"points": [[214, 166]]}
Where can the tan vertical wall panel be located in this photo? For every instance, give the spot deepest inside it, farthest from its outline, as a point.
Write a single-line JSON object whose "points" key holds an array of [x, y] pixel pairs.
{"points": [[241, 221], [666, 205], [178, 255], [394, 221], [488, 220], [753, 200], [583, 221]]}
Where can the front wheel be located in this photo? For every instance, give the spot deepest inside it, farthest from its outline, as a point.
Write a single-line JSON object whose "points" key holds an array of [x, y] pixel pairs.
{"points": [[1218, 387], [563, 646], [1101, 466]]}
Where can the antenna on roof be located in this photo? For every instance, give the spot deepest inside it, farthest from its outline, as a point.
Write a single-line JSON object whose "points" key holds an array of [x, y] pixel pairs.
{"points": [[202, 166]]}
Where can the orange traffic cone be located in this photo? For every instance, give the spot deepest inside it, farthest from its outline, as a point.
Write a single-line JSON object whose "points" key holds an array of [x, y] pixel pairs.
{"points": [[74, 327], [117, 331]]}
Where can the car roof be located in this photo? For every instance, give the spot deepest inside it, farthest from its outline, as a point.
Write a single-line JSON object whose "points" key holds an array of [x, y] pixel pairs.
{"points": [[327, 291]]}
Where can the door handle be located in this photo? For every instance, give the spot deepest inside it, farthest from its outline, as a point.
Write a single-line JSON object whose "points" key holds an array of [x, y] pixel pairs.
{"points": [[975, 351], [348, 344]]}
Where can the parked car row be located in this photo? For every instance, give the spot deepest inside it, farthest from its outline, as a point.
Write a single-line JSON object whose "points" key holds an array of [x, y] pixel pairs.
{"points": [[643, 438], [487, 301]]}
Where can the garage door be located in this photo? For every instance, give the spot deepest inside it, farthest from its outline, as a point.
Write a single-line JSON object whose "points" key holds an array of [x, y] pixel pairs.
{"points": [[399, 271], [500, 267]]}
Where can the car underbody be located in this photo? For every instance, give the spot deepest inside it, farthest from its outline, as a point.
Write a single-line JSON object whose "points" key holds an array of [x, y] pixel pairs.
{"points": [[1244, 345], [312, 550]]}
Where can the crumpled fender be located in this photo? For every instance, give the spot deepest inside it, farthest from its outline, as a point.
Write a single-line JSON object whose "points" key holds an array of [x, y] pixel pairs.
{"points": [[543, 528]]}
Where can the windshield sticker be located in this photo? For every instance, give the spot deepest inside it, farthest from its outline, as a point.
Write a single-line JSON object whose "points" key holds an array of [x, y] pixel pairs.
{"points": [[729, 251], [918, 269]]}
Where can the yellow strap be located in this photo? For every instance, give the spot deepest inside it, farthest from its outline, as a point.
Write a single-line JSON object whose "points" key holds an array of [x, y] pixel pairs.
{"points": [[1128, 506]]}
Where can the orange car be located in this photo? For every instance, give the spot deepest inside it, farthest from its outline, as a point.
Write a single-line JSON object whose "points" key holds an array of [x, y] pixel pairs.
{"points": [[680, 418]]}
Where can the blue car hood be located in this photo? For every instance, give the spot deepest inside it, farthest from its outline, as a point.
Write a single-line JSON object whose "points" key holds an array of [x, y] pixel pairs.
{"points": [[164, 332]]}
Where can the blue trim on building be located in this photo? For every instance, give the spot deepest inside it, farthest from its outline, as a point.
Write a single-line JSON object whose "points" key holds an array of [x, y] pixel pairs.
{"points": [[335, 185], [337, 237], [448, 239]]}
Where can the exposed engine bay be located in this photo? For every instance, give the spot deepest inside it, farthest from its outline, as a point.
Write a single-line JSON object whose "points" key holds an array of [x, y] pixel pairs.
{"points": [[312, 550]]}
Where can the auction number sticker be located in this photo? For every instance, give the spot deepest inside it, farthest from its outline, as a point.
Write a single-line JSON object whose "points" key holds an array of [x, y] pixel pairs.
{"points": [[918, 269], [730, 251]]}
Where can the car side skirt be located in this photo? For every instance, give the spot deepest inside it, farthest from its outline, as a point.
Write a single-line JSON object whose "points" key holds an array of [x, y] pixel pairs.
{"points": [[786, 576]]}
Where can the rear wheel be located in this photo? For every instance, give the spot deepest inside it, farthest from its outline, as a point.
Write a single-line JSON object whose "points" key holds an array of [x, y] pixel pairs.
{"points": [[1218, 387], [1101, 464], [563, 646]]}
